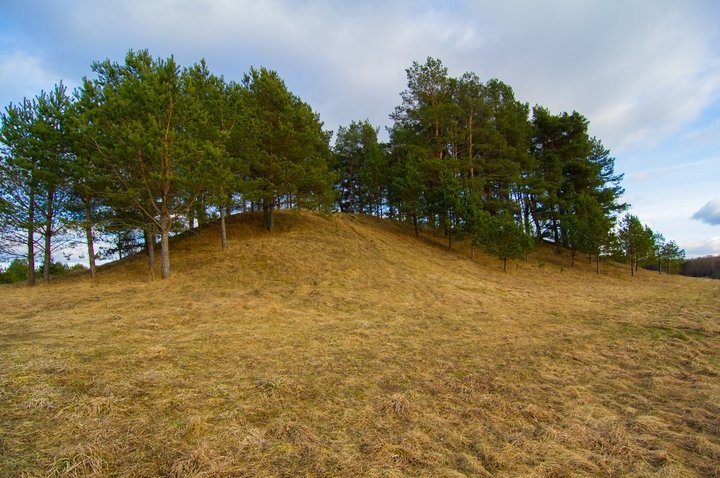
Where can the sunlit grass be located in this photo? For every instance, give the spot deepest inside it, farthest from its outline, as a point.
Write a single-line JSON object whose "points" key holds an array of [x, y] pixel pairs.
{"points": [[344, 346]]}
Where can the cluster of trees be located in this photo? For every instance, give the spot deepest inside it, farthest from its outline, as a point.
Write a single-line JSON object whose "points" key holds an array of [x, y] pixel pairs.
{"points": [[639, 245], [467, 157], [146, 148]]}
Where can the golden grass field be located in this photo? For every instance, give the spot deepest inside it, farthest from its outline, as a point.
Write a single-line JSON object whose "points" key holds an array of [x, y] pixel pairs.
{"points": [[342, 346]]}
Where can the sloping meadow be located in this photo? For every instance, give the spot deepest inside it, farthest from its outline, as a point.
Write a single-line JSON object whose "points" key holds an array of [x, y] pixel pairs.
{"points": [[344, 346]]}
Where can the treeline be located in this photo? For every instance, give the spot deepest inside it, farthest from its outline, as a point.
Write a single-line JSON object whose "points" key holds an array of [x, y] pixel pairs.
{"points": [[145, 149], [17, 270], [708, 266]]}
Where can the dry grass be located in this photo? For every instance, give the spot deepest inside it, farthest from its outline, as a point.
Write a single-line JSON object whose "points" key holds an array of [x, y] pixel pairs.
{"points": [[343, 346]]}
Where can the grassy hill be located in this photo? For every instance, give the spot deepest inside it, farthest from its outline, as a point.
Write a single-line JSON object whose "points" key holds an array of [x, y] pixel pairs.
{"points": [[344, 346]]}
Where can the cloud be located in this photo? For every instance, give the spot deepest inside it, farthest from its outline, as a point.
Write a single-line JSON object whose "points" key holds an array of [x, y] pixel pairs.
{"points": [[701, 248], [23, 75], [637, 74], [709, 213]]}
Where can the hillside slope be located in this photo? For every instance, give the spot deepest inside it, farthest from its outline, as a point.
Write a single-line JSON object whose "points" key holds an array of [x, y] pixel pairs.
{"points": [[344, 346]]}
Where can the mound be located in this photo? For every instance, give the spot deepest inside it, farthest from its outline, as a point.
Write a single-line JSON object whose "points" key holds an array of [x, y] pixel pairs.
{"points": [[344, 346]]}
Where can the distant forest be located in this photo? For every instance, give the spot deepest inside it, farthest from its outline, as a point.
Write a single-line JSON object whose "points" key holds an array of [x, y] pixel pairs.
{"points": [[146, 149], [702, 267]]}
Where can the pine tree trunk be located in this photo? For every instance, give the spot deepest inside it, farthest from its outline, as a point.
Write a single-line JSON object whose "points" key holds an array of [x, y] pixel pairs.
{"points": [[597, 264], [48, 235], [89, 236], [526, 212], [165, 244], [504, 264], [150, 245], [223, 231], [201, 211], [191, 218], [268, 216], [31, 240]]}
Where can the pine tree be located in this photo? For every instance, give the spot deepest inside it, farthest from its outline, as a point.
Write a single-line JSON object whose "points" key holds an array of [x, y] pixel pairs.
{"points": [[86, 182], [671, 257], [503, 237], [143, 148], [213, 116], [291, 151], [55, 149], [34, 173], [632, 240], [362, 167]]}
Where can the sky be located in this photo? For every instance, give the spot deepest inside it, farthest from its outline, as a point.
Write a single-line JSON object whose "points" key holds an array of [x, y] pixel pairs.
{"points": [[646, 74]]}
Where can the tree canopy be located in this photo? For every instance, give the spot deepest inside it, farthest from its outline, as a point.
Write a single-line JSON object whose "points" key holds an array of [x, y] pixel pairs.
{"points": [[146, 148]]}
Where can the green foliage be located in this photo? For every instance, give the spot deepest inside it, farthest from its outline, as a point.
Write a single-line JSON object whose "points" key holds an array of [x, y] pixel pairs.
{"points": [[362, 165], [574, 177], [463, 150], [290, 152], [18, 269], [16, 272], [670, 257], [34, 173], [637, 242], [58, 268], [146, 147], [503, 237]]}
